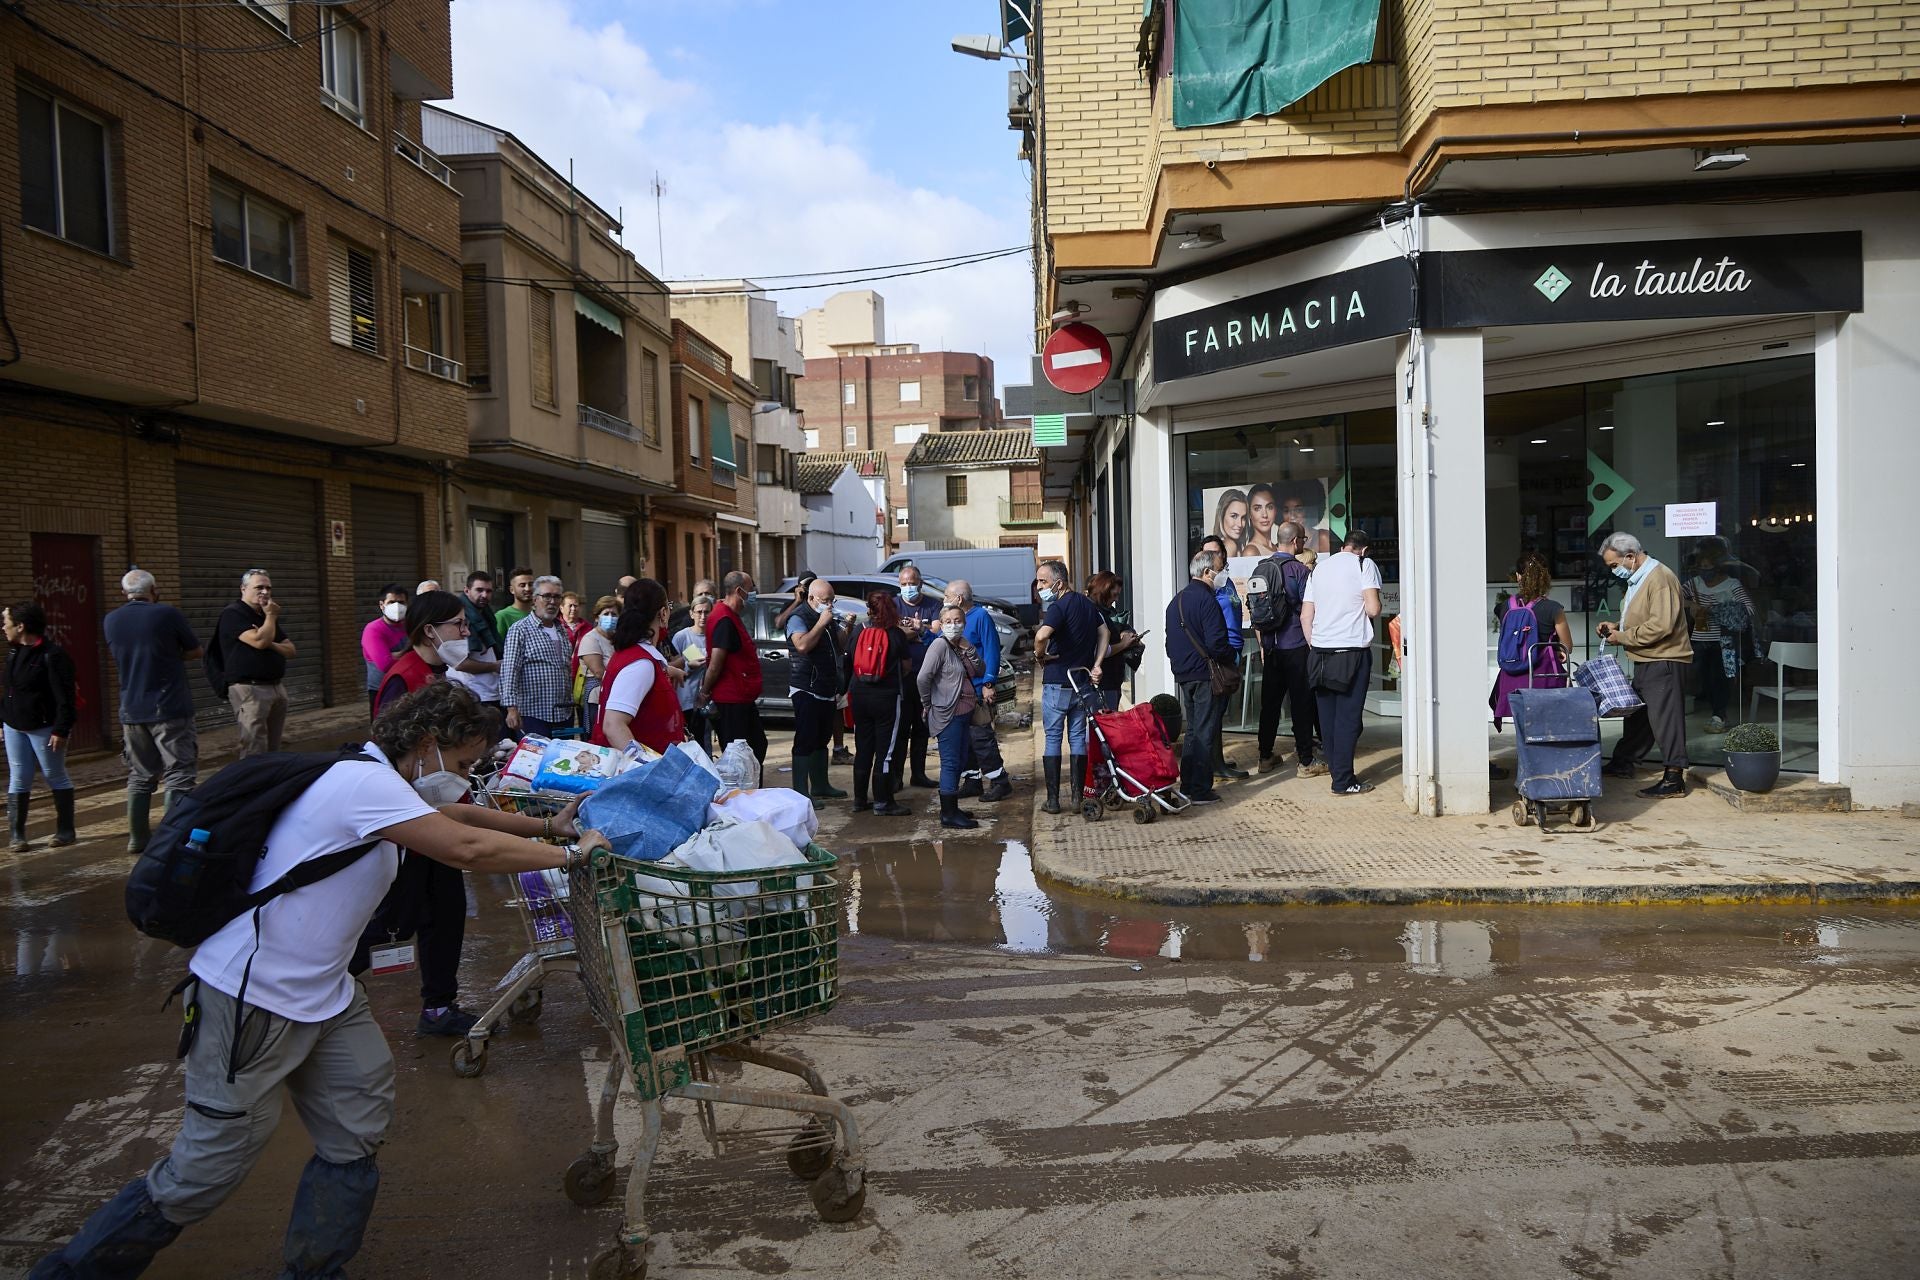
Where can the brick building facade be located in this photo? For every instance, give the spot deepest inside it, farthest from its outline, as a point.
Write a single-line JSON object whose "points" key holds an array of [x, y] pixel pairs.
{"points": [[225, 289]]}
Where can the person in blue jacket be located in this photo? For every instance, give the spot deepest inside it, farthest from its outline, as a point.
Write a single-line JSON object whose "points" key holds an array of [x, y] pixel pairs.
{"points": [[1197, 635], [1228, 597], [993, 783]]}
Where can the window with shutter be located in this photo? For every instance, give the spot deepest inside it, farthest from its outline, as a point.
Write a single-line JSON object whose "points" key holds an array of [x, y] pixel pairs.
{"points": [[473, 326], [650, 398], [956, 491], [696, 424], [352, 298], [540, 314]]}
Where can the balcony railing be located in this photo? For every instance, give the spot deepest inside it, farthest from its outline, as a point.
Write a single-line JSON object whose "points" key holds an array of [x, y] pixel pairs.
{"points": [[429, 362], [424, 160], [601, 420], [1015, 512]]}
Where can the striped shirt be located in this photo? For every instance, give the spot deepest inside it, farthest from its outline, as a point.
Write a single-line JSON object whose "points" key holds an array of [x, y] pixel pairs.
{"points": [[536, 671]]}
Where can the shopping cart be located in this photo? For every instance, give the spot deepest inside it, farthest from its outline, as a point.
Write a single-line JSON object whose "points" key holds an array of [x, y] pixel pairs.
{"points": [[541, 897], [1129, 761], [686, 966], [1557, 730]]}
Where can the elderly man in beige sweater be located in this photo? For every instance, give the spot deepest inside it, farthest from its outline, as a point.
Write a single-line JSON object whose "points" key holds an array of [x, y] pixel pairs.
{"points": [[1653, 631]]}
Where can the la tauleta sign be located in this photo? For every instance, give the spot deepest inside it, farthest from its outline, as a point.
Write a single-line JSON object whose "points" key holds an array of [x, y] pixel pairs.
{"points": [[1657, 280], [1547, 284], [1374, 301]]}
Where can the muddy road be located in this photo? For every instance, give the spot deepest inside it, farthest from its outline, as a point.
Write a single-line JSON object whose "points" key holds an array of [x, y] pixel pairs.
{"points": [[1061, 1086]]}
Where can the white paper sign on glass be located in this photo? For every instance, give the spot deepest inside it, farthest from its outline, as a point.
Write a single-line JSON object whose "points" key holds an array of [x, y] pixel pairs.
{"points": [[1690, 519]]}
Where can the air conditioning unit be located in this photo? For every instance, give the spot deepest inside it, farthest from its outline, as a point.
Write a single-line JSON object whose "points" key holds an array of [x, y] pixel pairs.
{"points": [[1019, 100]]}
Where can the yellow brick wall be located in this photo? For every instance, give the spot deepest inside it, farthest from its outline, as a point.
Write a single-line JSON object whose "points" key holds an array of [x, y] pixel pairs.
{"points": [[1098, 116]]}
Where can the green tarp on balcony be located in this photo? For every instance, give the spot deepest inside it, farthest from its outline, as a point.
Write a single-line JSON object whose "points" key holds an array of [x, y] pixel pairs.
{"points": [[722, 434], [1237, 59], [598, 314]]}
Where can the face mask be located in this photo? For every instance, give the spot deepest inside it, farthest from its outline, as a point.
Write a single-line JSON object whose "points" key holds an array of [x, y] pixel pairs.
{"points": [[910, 592], [443, 785], [952, 630], [1623, 573], [1047, 595], [452, 652], [394, 610], [752, 596], [608, 621]]}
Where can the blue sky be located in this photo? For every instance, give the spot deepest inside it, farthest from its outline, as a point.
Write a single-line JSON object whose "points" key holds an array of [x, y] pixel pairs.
{"points": [[791, 135]]}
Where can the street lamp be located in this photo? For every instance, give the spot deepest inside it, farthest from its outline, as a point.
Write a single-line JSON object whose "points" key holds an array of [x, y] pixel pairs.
{"points": [[989, 48]]}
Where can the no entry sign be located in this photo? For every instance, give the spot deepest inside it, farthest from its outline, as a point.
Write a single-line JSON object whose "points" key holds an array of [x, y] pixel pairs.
{"points": [[1076, 358]]}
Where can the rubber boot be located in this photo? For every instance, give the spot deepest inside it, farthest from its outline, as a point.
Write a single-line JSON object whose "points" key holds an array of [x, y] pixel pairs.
{"points": [[120, 1239], [63, 830], [951, 816], [822, 787], [139, 820], [330, 1212], [1076, 780], [17, 820], [1052, 766], [999, 787], [803, 779]]}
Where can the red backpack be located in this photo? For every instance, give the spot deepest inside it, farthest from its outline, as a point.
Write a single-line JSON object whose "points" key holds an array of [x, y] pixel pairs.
{"points": [[870, 654]]}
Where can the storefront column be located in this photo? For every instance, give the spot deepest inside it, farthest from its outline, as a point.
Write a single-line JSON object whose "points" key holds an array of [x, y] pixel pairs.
{"points": [[1443, 562], [1160, 555]]}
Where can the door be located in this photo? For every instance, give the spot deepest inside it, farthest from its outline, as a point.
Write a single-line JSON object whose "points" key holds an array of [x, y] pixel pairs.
{"points": [[386, 544], [606, 552], [66, 582], [490, 544], [233, 521]]}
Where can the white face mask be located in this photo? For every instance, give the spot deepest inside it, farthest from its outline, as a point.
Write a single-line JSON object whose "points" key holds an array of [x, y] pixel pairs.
{"points": [[443, 785], [394, 610], [952, 630], [452, 652]]}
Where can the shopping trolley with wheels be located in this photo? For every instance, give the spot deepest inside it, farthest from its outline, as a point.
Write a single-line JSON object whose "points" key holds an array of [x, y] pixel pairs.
{"points": [[541, 898], [683, 967], [1130, 764]]}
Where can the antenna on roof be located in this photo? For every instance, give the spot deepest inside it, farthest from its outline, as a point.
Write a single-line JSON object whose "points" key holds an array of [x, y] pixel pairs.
{"points": [[659, 230]]}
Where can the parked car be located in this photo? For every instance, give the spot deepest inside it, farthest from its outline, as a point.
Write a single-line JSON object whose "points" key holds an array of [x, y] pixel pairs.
{"points": [[1014, 635], [1002, 576], [776, 651]]}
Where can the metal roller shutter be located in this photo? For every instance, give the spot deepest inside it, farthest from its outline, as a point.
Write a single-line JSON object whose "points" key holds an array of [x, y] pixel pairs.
{"points": [[232, 521], [386, 543], [606, 553]]}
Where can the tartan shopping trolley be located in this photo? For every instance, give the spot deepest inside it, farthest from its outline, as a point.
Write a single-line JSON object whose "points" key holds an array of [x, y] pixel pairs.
{"points": [[684, 966]]}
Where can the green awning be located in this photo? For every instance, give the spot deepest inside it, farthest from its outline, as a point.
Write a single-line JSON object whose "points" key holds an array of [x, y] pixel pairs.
{"points": [[1238, 59], [1013, 19], [593, 311], [722, 434]]}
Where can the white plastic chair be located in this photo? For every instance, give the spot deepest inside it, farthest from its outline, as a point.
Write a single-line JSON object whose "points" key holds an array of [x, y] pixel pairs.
{"points": [[1784, 654]]}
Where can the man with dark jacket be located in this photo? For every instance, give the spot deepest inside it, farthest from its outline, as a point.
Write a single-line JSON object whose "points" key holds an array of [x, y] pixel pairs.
{"points": [[1197, 637], [1283, 653], [152, 644]]}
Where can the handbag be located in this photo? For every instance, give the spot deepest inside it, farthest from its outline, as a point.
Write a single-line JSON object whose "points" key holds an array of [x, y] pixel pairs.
{"points": [[1333, 670], [1602, 677], [1222, 678]]}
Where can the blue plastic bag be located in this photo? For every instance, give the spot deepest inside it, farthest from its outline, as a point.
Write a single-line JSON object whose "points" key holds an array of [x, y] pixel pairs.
{"points": [[648, 811]]}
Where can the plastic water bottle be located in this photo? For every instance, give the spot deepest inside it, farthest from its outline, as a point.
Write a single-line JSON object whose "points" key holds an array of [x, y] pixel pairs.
{"points": [[186, 870], [197, 840]]}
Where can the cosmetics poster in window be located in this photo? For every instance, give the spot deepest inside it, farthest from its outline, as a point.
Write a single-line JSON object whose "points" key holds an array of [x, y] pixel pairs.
{"points": [[1248, 516]]}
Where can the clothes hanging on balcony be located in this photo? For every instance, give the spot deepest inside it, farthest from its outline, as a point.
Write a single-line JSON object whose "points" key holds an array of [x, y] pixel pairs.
{"points": [[1237, 59]]}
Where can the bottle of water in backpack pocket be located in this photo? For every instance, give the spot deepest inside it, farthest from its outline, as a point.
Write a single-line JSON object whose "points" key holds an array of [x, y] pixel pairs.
{"points": [[187, 868]]}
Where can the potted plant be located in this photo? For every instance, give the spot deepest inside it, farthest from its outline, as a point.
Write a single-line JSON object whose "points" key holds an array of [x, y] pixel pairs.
{"points": [[1753, 757]]}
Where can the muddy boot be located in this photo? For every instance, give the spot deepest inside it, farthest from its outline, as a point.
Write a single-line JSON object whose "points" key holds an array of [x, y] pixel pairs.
{"points": [[63, 832], [999, 787], [330, 1212], [951, 816], [823, 789], [1052, 766], [803, 779], [139, 820], [17, 820], [1076, 780], [120, 1239]]}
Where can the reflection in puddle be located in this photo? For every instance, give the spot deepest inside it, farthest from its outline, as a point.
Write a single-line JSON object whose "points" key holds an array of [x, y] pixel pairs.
{"points": [[984, 893]]}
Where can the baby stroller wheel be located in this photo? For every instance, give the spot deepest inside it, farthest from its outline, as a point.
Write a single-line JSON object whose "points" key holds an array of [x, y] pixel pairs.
{"points": [[1092, 811], [1112, 798], [1144, 812], [1522, 815]]}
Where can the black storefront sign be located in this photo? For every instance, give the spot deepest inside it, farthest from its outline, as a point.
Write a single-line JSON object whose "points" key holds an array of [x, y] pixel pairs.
{"points": [[1374, 301], [1550, 284], [1642, 280]]}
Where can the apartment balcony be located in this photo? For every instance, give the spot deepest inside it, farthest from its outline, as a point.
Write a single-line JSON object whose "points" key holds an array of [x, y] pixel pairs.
{"points": [[423, 160], [601, 420], [433, 364], [1020, 513]]}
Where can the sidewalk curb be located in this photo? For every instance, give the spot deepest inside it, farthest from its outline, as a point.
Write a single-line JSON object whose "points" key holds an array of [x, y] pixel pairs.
{"points": [[1189, 894]]}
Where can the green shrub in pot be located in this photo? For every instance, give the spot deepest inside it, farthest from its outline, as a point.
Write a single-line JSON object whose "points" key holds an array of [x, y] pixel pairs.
{"points": [[1753, 757]]}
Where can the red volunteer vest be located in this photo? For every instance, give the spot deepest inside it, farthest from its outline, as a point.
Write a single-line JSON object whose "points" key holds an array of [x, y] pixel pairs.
{"points": [[410, 673], [740, 679], [658, 723]]}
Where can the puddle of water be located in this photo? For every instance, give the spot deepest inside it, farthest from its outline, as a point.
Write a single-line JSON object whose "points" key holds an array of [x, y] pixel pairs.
{"points": [[984, 893]]}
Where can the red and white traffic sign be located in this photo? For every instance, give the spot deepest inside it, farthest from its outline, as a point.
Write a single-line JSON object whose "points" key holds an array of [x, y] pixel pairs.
{"points": [[1076, 358]]}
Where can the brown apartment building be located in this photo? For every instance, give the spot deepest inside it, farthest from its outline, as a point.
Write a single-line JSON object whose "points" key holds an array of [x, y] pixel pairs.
{"points": [[887, 402], [231, 335], [712, 415]]}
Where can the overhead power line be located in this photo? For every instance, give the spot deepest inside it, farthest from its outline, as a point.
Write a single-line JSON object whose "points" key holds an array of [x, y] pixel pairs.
{"points": [[646, 289], [885, 266], [101, 12]]}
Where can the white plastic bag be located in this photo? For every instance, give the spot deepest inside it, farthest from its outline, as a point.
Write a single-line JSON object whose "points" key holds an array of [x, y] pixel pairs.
{"points": [[738, 767], [705, 761], [785, 810]]}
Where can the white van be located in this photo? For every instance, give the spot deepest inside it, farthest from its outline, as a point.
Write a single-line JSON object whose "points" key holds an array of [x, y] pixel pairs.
{"points": [[999, 574]]}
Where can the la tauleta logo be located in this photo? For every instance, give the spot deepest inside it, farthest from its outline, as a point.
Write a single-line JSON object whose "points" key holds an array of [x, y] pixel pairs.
{"points": [[1552, 282]]}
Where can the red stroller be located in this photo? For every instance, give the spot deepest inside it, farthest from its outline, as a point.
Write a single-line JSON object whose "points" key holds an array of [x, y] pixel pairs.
{"points": [[1129, 761]]}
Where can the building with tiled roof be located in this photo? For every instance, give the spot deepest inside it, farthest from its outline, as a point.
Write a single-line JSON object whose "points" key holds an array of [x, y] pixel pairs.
{"points": [[979, 489], [953, 449]]}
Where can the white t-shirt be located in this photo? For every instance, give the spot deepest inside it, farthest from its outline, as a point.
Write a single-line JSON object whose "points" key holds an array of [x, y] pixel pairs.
{"points": [[484, 685], [631, 686], [683, 639], [307, 937], [1334, 590]]}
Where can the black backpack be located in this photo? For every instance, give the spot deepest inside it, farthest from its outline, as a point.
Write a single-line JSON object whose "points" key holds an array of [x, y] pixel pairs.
{"points": [[1272, 608], [184, 895]]}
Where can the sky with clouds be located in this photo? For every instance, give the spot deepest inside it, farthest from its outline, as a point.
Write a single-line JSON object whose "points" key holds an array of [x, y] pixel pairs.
{"points": [[790, 136]]}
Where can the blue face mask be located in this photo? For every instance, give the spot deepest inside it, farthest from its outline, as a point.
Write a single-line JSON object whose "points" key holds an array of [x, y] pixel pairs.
{"points": [[608, 621], [1046, 595], [752, 596], [910, 592], [1623, 573]]}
